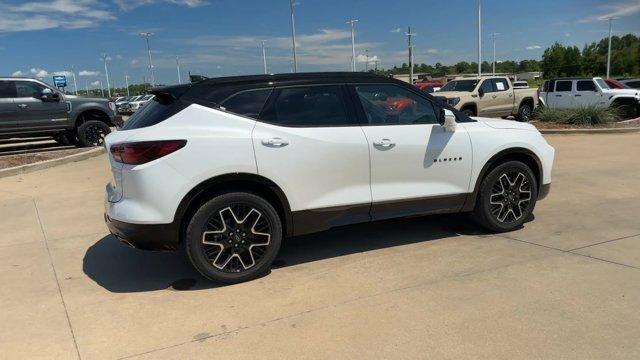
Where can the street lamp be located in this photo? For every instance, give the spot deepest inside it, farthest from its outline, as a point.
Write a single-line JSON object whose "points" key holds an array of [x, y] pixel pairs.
{"points": [[146, 36], [609, 51], [479, 37], [493, 35], [105, 58], [409, 36], [264, 56], [293, 35], [178, 67], [353, 44]]}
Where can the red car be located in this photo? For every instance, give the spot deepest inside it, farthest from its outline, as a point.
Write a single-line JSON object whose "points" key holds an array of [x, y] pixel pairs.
{"points": [[615, 84]]}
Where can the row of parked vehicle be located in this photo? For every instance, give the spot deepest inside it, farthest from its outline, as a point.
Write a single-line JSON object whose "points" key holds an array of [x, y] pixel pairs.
{"points": [[127, 105]]}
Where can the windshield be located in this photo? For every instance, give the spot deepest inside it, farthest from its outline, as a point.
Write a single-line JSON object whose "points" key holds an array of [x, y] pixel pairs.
{"points": [[460, 85], [603, 85]]}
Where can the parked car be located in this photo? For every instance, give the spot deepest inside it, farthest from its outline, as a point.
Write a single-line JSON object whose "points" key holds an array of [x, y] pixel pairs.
{"points": [[30, 107], [229, 167], [122, 104], [615, 84], [136, 104], [632, 83], [429, 86], [491, 96], [568, 93], [521, 84]]}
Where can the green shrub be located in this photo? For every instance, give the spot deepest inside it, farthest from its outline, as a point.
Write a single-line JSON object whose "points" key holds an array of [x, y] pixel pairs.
{"points": [[581, 116]]}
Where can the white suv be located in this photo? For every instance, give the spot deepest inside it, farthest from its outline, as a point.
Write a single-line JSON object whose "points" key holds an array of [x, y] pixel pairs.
{"points": [[231, 166]]}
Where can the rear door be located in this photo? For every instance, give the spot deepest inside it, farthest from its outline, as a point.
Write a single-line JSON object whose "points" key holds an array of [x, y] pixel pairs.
{"points": [[35, 114], [503, 97], [586, 93], [487, 103], [310, 143], [8, 111], [561, 97]]}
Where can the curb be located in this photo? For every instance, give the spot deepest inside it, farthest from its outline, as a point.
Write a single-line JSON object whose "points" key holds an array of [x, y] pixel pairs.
{"points": [[23, 169], [589, 131]]}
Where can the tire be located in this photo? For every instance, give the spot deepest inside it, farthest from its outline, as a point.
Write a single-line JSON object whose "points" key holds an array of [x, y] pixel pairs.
{"points": [[468, 112], [62, 139], [628, 111], [92, 133], [240, 255], [524, 113], [499, 213]]}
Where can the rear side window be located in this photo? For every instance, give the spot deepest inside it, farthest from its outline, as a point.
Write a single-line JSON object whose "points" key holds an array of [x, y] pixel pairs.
{"points": [[586, 85], [634, 84], [500, 84], [247, 103], [312, 106], [153, 113], [7, 89], [563, 85]]}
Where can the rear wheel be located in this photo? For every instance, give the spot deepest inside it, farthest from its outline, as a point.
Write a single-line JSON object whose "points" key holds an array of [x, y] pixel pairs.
{"points": [[468, 112], [507, 197], [234, 237]]}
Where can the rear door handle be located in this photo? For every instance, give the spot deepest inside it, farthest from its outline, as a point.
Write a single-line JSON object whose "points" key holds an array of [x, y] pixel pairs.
{"points": [[22, 106], [576, 95], [385, 143], [558, 95], [275, 142]]}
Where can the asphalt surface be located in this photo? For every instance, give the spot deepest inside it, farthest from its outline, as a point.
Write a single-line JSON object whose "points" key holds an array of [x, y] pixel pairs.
{"points": [[566, 286]]}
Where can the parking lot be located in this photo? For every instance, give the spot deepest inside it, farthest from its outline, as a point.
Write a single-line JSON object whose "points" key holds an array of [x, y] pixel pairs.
{"points": [[564, 286]]}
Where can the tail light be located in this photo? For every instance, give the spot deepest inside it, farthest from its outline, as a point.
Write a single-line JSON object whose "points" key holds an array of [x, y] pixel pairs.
{"points": [[136, 153]]}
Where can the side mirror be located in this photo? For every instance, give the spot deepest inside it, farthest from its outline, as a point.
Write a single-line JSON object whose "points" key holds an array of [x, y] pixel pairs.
{"points": [[48, 95], [447, 120], [481, 92]]}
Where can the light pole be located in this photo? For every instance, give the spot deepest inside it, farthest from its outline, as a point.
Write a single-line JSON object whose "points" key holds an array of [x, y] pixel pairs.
{"points": [[409, 35], [178, 67], [479, 37], [609, 51], [105, 58], [146, 36], [126, 81], [353, 43], [264, 56], [75, 84], [293, 36], [101, 88], [366, 64], [493, 35]]}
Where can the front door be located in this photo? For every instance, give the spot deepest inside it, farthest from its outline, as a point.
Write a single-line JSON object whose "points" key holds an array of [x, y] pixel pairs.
{"points": [[561, 97], [309, 142], [416, 167], [35, 114]]}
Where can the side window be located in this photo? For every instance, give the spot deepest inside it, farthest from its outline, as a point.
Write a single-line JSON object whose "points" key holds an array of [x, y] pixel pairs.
{"points": [[500, 84], [247, 103], [563, 85], [7, 89], [487, 86], [28, 89], [312, 106], [586, 85], [391, 104], [634, 84]]}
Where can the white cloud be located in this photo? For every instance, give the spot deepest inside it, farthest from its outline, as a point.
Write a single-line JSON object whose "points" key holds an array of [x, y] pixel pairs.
{"points": [[134, 62], [614, 10], [95, 83], [127, 5], [63, 73], [363, 58], [396, 30], [119, 57], [18, 73], [567, 35], [534, 47], [88, 73], [41, 15], [39, 73], [433, 51]]}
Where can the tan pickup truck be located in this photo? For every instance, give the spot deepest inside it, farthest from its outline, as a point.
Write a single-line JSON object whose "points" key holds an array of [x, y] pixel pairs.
{"points": [[489, 96]]}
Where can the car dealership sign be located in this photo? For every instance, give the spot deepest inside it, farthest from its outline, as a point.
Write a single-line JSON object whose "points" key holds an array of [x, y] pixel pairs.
{"points": [[60, 81]]}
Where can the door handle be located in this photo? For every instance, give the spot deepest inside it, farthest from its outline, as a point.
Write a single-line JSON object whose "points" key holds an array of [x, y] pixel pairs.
{"points": [[494, 96], [385, 143], [576, 95], [558, 95], [22, 106], [275, 142]]}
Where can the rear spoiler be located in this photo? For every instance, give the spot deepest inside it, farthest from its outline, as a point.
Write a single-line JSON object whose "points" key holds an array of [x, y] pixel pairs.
{"points": [[168, 94]]}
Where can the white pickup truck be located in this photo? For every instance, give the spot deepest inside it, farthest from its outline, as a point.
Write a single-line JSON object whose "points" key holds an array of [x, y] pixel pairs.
{"points": [[569, 93]]}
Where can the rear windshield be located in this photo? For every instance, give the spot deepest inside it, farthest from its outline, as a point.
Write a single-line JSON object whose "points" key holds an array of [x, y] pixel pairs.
{"points": [[460, 85], [153, 113]]}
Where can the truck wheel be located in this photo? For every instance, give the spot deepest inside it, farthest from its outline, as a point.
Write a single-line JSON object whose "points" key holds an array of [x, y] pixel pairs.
{"points": [[468, 112], [627, 111], [92, 133], [506, 197], [62, 139], [524, 113], [234, 237]]}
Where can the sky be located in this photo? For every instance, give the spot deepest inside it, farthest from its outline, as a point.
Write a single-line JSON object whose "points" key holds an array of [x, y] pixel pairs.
{"points": [[222, 37]]}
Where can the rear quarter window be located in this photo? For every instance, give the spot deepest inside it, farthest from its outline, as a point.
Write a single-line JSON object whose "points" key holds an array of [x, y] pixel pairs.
{"points": [[153, 113]]}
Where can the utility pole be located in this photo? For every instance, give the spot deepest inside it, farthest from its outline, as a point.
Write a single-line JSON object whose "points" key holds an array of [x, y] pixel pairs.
{"points": [[106, 72], [409, 35], [609, 51], [178, 67], [293, 36], [86, 87], [75, 84], [366, 64], [126, 81], [479, 37], [353, 44], [264, 56], [101, 88], [376, 62], [146, 36], [493, 35]]}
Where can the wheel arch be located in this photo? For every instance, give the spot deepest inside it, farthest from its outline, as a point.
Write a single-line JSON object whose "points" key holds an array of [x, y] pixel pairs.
{"points": [[524, 155], [470, 105], [252, 183], [91, 113], [527, 101]]}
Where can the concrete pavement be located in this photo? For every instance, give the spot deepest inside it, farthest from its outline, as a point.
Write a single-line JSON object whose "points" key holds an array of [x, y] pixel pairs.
{"points": [[564, 286]]}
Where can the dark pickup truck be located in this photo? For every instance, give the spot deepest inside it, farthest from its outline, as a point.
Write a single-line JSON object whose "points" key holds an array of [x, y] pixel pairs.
{"points": [[31, 108]]}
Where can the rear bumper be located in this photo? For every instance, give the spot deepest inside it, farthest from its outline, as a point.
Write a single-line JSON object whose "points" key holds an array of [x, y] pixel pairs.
{"points": [[145, 236]]}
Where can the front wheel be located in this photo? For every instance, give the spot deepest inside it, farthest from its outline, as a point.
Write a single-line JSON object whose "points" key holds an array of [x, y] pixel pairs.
{"points": [[92, 133], [506, 198], [234, 237]]}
